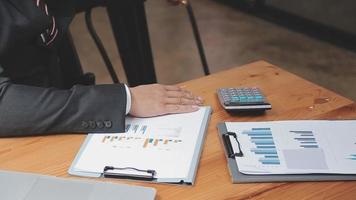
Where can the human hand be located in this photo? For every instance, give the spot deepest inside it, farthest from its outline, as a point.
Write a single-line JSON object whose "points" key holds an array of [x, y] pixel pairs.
{"points": [[155, 99]]}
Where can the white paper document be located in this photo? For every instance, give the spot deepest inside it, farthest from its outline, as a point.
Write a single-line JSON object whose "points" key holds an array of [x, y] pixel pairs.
{"points": [[296, 147], [166, 144]]}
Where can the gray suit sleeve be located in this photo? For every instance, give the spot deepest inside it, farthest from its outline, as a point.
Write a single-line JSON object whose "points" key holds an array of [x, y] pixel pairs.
{"points": [[28, 110]]}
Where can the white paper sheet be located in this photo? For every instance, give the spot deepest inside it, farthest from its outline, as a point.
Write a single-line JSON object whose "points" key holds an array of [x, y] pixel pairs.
{"points": [[296, 147], [165, 144]]}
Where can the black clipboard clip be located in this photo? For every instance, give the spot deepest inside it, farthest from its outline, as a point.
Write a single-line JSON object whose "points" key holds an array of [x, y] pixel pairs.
{"points": [[129, 173], [228, 145]]}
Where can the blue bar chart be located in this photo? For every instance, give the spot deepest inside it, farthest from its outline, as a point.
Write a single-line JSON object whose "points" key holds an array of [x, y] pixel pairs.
{"points": [[352, 157], [265, 148], [135, 129], [305, 139]]}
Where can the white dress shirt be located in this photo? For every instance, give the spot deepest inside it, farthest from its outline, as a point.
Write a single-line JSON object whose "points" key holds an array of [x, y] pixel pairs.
{"points": [[128, 99]]}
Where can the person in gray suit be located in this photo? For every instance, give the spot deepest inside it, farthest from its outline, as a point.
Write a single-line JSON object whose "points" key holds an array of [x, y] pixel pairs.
{"points": [[33, 98]]}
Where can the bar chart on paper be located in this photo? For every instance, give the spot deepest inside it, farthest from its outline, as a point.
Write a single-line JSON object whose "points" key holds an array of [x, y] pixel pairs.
{"points": [[170, 145], [157, 131], [296, 147], [137, 135], [352, 156], [127, 141], [265, 148], [136, 129], [305, 139], [272, 151]]}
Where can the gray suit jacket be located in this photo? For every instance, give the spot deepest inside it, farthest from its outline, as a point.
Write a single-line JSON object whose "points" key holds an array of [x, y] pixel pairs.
{"points": [[30, 110], [31, 102]]}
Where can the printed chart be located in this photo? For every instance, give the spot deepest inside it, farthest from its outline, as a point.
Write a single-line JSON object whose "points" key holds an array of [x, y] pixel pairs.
{"points": [[135, 129], [296, 146], [127, 141], [166, 144], [306, 139], [265, 148], [353, 156], [162, 137], [160, 131]]}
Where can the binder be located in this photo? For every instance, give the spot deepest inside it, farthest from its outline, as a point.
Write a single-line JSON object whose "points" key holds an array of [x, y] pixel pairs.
{"points": [[133, 173], [26, 186], [232, 151]]}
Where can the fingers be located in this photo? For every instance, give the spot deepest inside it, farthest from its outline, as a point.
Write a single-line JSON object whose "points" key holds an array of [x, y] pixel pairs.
{"points": [[170, 108], [182, 101], [172, 88], [180, 94], [176, 91]]}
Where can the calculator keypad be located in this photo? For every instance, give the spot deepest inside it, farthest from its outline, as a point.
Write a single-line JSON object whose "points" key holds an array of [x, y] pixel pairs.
{"points": [[235, 96]]}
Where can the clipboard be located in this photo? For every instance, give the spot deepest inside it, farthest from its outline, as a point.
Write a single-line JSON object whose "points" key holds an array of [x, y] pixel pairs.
{"points": [[132, 173], [231, 151]]}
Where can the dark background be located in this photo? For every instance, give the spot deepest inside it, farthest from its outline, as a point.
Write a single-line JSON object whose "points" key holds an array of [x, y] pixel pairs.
{"points": [[314, 39]]}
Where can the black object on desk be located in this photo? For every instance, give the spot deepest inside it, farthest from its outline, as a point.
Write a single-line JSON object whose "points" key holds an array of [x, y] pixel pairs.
{"points": [[129, 173], [226, 138], [243, 99]]}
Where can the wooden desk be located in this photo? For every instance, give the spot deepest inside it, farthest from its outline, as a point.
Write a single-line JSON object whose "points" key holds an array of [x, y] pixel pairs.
{"points": [[291, 97]]}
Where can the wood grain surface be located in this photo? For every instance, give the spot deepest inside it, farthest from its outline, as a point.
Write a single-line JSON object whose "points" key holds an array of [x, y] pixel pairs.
{"points": [[291, 98]]}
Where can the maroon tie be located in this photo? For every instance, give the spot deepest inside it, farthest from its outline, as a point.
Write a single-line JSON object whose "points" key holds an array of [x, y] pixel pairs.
{"points": [[49, 35]]}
